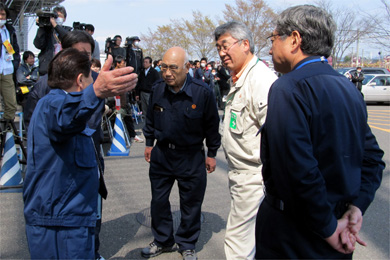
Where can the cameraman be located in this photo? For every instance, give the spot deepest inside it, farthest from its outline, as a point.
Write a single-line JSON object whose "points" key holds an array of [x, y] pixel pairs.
{"points": [[134, 56], [89, 28], [117, 50], [48, 38]]}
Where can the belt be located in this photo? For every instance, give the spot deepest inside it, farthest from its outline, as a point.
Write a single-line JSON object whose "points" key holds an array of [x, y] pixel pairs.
{"points": [[275, 202], [181, 147]]}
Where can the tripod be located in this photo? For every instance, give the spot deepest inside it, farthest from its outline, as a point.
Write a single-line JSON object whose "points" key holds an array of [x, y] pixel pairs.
{"points": [[9, 125]]}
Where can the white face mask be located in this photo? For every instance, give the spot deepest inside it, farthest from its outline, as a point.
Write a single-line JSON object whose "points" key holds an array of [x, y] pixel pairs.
{"points": [[203, 65], [60, 21], [2, 22], [136, 43], [213, 73]]}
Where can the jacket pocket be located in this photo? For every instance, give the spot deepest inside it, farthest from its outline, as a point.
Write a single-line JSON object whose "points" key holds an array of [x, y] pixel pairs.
{"points": [[236, 119], [193, 120], [159, 114], [85, 152]]}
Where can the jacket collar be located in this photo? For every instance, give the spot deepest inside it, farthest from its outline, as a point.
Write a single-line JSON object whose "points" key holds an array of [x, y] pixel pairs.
{"points": [[186, 89], [243, 76]]}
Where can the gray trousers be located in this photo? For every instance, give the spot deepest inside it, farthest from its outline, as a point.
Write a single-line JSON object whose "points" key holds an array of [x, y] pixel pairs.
{"points": [[144, 102]]}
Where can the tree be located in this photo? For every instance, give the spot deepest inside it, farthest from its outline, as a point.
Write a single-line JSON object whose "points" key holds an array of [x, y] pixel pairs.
{"points": [[350, 28], [257, 16], [381, 27], [195, 36]]}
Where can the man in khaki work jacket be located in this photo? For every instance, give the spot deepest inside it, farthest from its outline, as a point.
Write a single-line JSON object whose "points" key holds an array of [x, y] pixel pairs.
{"points": [[245, 112]]}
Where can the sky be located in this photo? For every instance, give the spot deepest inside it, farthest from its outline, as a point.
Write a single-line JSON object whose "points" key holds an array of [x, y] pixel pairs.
{"points": [[133, 17]]}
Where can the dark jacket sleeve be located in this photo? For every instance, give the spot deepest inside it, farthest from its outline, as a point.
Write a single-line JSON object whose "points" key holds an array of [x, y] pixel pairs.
{"points": [[62, 31], [211, 123], [148, 129], [42, 38], [372, 170], [15, 46]]}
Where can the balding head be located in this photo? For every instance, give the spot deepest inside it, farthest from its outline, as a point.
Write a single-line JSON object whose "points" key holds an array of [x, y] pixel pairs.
{"points": [[175, 67]]}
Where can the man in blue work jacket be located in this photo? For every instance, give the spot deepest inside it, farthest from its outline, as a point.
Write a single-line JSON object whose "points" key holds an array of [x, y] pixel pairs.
{"points": [[182, 114], [321, 163], [62, 179]]}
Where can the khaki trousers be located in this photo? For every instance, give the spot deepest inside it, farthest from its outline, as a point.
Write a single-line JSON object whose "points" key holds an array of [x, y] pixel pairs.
{"points": [[7, 91], [246, 190]]}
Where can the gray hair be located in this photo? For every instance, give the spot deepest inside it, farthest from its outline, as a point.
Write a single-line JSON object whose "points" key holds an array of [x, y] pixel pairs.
{"points": [[237, 30], [314, 24]]}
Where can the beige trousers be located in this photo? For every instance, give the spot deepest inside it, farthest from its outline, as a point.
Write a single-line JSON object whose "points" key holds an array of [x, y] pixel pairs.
{"points": [[7, 91], [246, 190]]}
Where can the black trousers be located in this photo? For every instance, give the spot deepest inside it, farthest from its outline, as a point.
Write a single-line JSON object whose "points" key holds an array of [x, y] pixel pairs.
{"points": [[278, 236], [189, 170]]}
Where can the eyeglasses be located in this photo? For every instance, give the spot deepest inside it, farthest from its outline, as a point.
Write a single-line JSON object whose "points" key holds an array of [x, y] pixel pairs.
{"points": [[225, 49], [165, 67], [273, 35]]}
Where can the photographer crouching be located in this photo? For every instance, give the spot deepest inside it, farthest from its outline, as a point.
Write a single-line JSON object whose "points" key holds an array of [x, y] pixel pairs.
{"points": [[49, 35]]}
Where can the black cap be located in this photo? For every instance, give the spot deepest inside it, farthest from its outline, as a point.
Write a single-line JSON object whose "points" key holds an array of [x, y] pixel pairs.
{"points": [[134, 38]]}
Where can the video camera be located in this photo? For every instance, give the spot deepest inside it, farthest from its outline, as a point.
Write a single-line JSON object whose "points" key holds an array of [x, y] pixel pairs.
{"points": [[110, 43], [44, 16], [79, 26]]}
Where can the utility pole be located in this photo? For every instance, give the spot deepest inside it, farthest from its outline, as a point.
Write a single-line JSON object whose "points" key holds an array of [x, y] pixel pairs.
{"points": [[352, 58], [357, 49]]}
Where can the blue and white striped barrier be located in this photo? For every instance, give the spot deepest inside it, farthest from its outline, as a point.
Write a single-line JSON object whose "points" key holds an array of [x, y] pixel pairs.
{"points": [[11, 174], [118, 146]]}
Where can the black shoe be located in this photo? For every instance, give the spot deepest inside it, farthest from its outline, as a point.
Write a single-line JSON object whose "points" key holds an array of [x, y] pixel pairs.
{"points": [[189, 254], [154, 250]]}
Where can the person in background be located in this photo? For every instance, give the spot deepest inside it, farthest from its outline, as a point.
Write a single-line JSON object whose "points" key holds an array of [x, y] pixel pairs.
{"points": [[48, 38], [224, 83], [61, 186], [191, 70], [96, 65], [135, 55], [157, 65], [117, 50], [183, 115], [199, 72], [146, 79], [357, 78], [26, 76], [245, 112], [9, 63], [217, 93], [119, 63], [322, 164], [89, 28]]}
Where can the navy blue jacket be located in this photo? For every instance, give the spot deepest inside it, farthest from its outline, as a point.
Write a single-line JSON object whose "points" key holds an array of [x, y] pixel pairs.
{"points": [[184, 119], [317, 149], [61, 184]]}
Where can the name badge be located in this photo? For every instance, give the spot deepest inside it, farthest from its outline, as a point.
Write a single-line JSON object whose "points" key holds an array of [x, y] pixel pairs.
{"points": [[9, 47], [233, 121]]}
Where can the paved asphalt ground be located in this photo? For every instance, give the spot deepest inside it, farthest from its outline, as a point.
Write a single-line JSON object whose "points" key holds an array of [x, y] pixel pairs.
{"points": [[125, 228]]}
